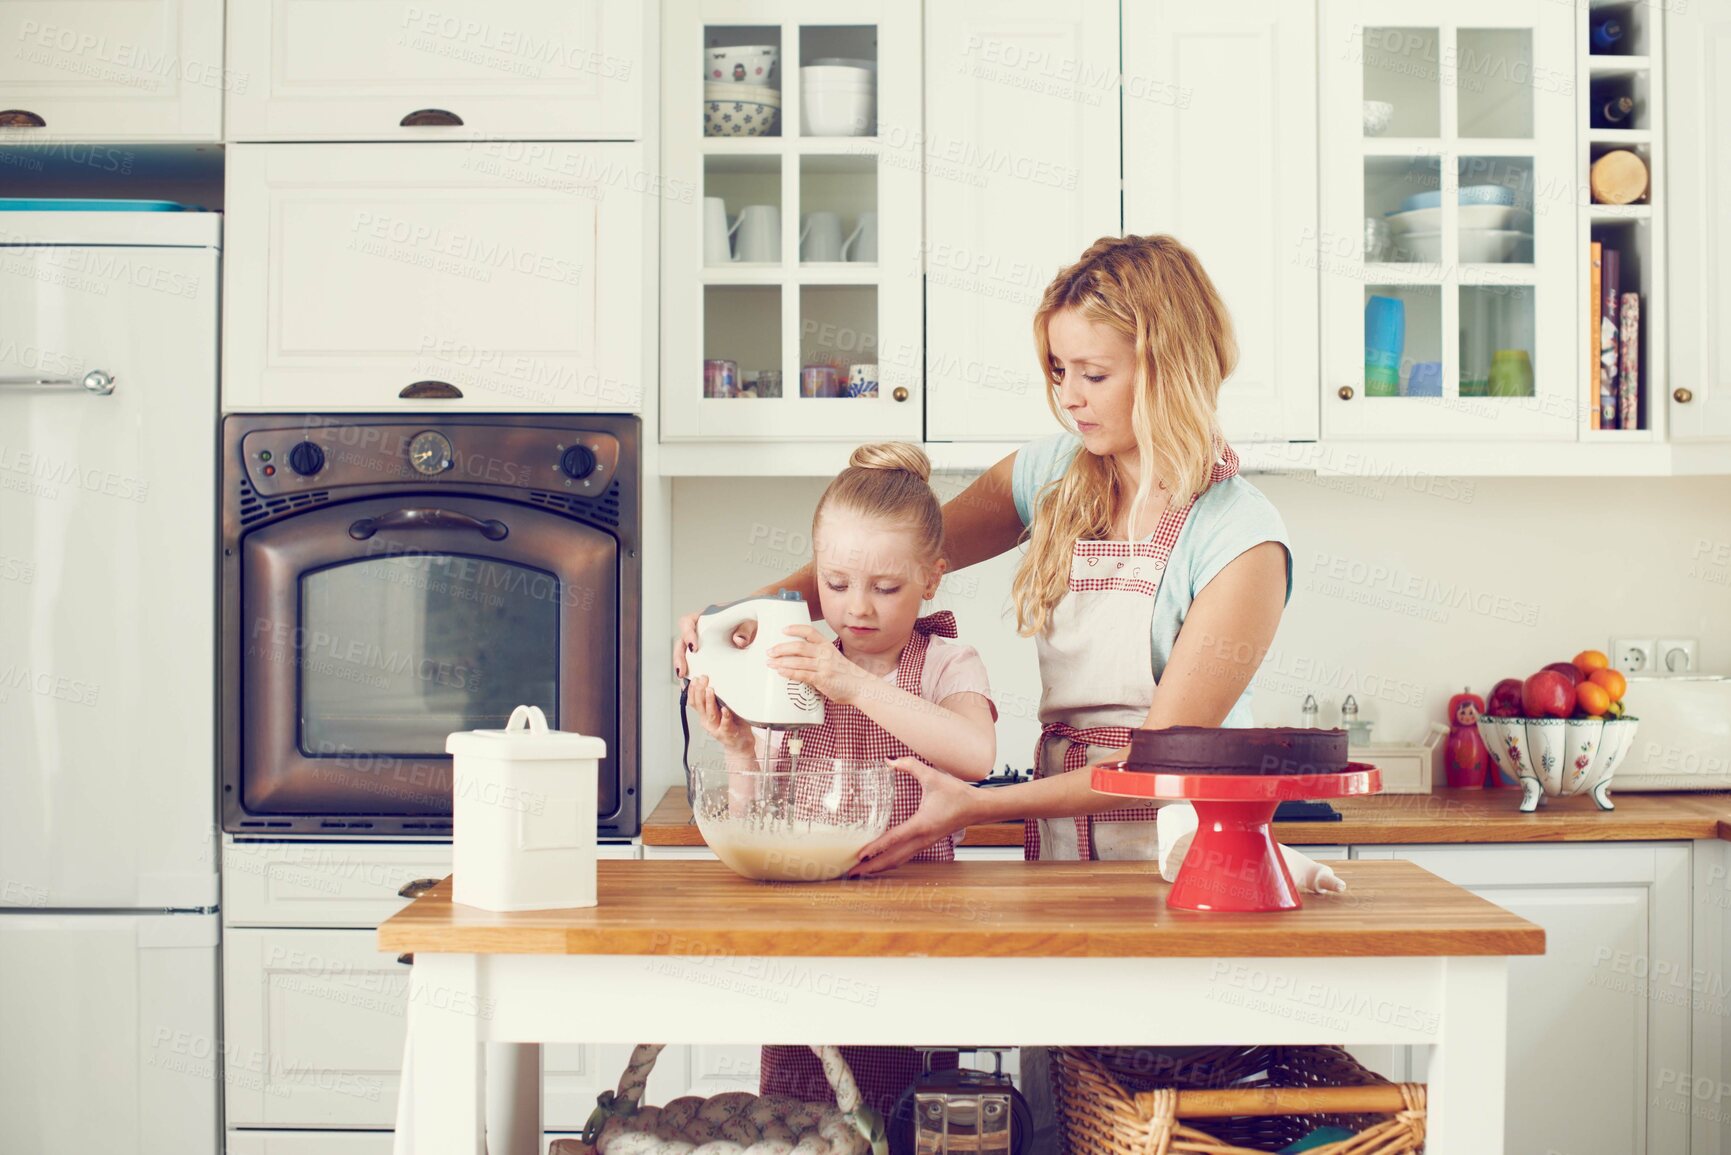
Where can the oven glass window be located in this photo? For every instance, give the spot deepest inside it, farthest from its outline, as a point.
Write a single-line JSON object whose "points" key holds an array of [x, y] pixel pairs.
{"points": [[397, 652]]}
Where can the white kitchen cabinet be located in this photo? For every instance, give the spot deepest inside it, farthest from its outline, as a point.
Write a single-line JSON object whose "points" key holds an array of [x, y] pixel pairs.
{"points": [[112, 71], [1604, 1015], [483, 275], [1484, 95], [1698, 174], [108, 1034], [1220, 150], [729, 322], [383, 70], [314, 1022], [1704, 1086], [1021, 166]]}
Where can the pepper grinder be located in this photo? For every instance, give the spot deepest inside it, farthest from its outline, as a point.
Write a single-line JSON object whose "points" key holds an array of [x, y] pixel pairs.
{"points": [[1307, 713]]}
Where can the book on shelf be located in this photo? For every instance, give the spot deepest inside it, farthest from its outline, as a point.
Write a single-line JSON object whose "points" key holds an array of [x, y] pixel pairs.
{"points": [[1629, 369], [1594, 299], [1609, 267]]}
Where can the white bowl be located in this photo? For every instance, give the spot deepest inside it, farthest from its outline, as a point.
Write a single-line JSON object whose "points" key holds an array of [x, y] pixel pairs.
{"points": [[846, 62], [1469, 216], [738, 118], [1477, 246], [835, 113], [755, 92], [1557, 757], [742, 64], [1377, 116], [835, 74]]}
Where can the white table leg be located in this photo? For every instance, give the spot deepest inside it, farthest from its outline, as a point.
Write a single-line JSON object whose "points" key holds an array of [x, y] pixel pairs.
{"points": [[1464, 1094], [447, 1070], [513, 1098]]}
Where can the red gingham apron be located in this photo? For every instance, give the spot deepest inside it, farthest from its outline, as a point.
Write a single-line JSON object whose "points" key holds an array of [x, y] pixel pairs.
{"points": [[1127, 575], [883, 1073]]}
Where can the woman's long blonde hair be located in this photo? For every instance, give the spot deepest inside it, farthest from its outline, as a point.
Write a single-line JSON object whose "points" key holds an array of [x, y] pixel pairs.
{"points": [[1153, 290]]}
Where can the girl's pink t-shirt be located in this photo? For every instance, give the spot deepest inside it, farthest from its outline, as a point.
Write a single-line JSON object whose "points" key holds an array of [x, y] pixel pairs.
{"points": [[952, 668]]}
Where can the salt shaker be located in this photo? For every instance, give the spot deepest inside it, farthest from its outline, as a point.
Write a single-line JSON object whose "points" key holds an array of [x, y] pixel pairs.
{"points": [[1307, 713], [1357, 733]]}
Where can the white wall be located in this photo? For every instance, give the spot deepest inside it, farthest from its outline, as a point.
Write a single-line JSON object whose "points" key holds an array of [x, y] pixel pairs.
{"points": [[1403, 590]]}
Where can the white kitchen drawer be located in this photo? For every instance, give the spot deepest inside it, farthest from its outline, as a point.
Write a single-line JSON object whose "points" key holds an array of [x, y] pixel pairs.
{"points": [[1405, 769], [331, 1142], [114, 70], [509, 272], [335, 884], [314, 1021], [507, 69]]}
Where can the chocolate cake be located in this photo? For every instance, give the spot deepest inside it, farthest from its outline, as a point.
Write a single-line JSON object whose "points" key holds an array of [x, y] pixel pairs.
{"points": [[1211, 750]]}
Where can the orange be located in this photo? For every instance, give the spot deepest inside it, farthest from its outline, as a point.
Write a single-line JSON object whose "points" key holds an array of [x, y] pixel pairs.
{"points": [[1615, 684], [1589, 660], [1592, 699]]}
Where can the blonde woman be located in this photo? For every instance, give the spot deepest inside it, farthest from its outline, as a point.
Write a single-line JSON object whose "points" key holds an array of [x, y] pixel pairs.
{"points": [[1154, 577]]}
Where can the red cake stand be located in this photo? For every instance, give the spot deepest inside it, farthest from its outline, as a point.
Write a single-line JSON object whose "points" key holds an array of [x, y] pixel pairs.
{"points": [[1233, 863]]}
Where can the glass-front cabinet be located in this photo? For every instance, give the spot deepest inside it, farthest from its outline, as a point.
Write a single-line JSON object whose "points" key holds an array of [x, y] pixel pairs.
{"points": [[1448, 220], [791, 220]]}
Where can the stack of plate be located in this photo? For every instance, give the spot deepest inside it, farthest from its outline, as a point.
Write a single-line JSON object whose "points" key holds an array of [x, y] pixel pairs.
{"points": [[1492, 229]]}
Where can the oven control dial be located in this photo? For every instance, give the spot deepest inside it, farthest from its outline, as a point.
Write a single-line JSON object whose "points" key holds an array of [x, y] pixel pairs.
{"points": [[430, 452], [578, 462], [306, 459]]}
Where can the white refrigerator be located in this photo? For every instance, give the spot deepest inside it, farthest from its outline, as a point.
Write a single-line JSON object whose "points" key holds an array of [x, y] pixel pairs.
{"points": [[108, 860]]}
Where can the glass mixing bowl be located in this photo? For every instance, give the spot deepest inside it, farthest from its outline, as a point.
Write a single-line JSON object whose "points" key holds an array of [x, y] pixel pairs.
{"points": [[779, 824]]}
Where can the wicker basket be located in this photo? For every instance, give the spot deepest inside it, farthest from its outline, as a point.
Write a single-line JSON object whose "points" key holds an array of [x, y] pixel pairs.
{"points": [[1128, 1101]]}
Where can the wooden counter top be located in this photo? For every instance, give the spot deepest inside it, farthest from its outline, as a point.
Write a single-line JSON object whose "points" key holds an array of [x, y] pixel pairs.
{"points": [[969, 910], [1443, 816]]}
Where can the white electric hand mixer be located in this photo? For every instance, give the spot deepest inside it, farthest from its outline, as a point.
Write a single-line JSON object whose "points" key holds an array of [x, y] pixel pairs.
{"points": [[742, 678]]}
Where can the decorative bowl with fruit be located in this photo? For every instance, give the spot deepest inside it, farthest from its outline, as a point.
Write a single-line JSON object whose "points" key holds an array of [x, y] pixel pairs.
{"points": [[1562, 731]]}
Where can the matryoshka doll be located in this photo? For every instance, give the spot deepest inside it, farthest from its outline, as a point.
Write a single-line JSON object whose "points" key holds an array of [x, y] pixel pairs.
{"points": [[1465, 758]]}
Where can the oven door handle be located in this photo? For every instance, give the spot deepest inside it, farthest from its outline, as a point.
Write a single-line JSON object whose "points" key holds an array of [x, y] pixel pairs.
{"points": [[492, 529]]}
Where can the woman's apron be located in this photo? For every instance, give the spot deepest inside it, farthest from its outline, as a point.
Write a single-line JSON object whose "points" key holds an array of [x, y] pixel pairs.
{"points": [[882, 1073], [1097, 670]]}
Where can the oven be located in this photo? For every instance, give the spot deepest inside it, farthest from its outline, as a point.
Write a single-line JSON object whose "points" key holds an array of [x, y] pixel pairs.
{"points": [[388, 580]]}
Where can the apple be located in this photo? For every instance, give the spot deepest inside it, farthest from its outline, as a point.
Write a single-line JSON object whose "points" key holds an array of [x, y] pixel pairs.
{"points": [[1505, 699], [1568, 669], [1548, 693]]}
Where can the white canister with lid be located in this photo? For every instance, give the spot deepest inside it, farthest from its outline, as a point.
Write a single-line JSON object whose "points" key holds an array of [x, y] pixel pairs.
{"points": [[523, 815]]}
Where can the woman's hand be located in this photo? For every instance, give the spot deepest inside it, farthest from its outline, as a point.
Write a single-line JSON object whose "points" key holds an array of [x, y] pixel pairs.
{"points": [[742, 635], [816, 662], [946, 805], [722, 724]]}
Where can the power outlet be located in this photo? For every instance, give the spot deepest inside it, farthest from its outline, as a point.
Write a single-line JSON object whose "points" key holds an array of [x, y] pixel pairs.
{"points": [[1632, 656], [1675, 656]]}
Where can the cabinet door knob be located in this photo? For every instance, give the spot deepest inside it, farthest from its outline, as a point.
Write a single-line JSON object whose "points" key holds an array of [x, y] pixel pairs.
{"points": [[417, 888], [1346, 392], [900, 393], [19, 118], [1682, 396], [431, 118], [407, 958]]}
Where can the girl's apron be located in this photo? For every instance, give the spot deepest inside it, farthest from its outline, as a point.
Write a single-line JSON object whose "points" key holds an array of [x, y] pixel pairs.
{"points": [[883, 1073], [1097, 670]]}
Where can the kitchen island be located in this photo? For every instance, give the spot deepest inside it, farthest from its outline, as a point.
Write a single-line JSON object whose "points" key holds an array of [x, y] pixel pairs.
{"points": [[935, 953]]}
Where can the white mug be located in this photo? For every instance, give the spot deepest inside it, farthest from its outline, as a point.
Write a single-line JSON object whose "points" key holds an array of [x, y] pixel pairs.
{"points": [[820, 239], [759, 236], [716, 233], [863, 244]]}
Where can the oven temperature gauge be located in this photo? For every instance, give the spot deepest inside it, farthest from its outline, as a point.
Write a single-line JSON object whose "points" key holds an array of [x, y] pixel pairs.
{"points": [[430, 452]]}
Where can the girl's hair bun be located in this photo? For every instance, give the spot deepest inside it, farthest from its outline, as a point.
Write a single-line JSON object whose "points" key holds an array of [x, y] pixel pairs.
{"points": [[893, 455]]}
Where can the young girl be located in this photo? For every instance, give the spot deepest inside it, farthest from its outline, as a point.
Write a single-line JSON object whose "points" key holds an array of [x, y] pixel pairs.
{"points": [[894, 685]]}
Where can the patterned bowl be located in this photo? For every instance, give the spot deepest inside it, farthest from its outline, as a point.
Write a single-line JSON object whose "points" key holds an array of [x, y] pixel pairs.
{"points": [[1557, 757], [738, 118]]}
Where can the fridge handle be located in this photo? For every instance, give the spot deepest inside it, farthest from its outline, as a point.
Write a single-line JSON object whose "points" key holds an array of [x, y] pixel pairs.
{"points": [[96, 381]]}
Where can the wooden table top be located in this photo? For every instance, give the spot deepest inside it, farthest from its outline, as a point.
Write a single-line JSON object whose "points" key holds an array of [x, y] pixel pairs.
{"points": [[969, 910], [1443, 816]]}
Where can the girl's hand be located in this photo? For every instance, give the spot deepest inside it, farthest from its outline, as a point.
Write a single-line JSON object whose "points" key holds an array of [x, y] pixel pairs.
{"points": [[946, 805], [722, 724], [816, 662], [742, 635]]}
